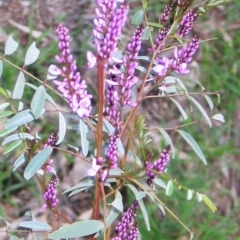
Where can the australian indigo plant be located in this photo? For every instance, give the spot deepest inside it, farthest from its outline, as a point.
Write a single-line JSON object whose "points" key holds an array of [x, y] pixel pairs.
{"points": [[123, 156]]}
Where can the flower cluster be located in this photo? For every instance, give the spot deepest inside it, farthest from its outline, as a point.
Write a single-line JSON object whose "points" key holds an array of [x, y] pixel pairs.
{"points": [[52, 140], [166, 13], [159, 165], [108, 24], [72, 87], [50, 195], [127, 229], [187, 22]]}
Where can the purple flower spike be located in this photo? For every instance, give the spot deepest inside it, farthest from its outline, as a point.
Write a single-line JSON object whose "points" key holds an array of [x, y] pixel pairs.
{"points": [[50, 195], [166, 13], [52, 140], [108, 24], [127, 229], [163, 160], [187, 22], [160, 38], [72, 87]]}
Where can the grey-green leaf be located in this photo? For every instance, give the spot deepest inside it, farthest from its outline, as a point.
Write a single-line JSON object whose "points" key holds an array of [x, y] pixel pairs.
{"points": [[118, 202], [146, 33], [218, 117], [200, 108], [7, 131], [19, 119], [179, 108], [62, 128], [5, 114], [36, 162], [189, 139], [1, 68], [189, 194], [209, 101], [137, 17], [84, 141], [38, 101], [21, 159], [35, 225], [11, 46], [167, 139], [145, 214], [32, 54], [78, 229], [19, 87], [140, 195], [170, 187], [13, 237], [112, 216], [209, 203], [4, 105], [17, 136], [12, 146]]}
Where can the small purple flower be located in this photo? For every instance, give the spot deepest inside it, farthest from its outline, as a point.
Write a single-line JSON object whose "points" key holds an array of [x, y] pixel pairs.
{"points": [[50, 195], [127, 228], [187, 22], [91, 59], [93, 171], [166, 13], [163, 160], [72, 87], [52, 140]]}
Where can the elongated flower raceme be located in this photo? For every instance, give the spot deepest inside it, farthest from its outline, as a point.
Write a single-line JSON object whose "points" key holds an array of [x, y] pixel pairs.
{"points": [[166, 13], [127, 228], [111, 17], [73, 88], [50, 195]]}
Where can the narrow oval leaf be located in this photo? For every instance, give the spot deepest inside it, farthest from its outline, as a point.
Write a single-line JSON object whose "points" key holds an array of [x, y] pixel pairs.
{"points": [[21, 159], [84, 183], [112, 217], [1, 68], [37, 238], [38, 101], [181, 110], [84, 141], [189, 194], [4, 105], [36, 162], [146, 33], [167, 139], [6, 131], [5, 114], [32, 54], [188, 138], [11, 46], [170, 187], [209, 101], [62, 128], [218, 117], [209, 203], [17, 136], [20, 106], [3, 92], [200, 108], [12, 146], [19, 119], [140, 195], [145, 214], [13, 237], [153, 24], [118, 202], [159, 182], [199, 196], [78, 229], [19, 87], [35, 225], [120, 146], [137, 17]]}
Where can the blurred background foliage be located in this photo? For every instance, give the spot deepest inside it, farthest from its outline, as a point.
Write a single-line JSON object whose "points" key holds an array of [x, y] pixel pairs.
{"points": [[217, 66]]}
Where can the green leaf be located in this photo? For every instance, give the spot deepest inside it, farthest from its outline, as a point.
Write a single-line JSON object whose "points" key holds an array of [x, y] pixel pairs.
{"points": [[189, 194], [85, 182], [4, 93], [62, 128], [167, 139], [170, 187], [21, 159], [209, 101], [112, 216], [20, 106], [180, 83], [137, 17], [153, 24], [12, 146], [1, 68], [141, 69], [19, 119], [36, 162], [200, 108], [218, 117], [4, 105], [209, 203], [7, 131], [5, 114], [32, 54], [159, 182], [108, 127], [145, 214], [193, 144], [146, 33], [11, 46], [13, 237], [17, 136], [37, 238], [199, 196], [118, 202], [144, 4], [181, 110], [78, 229], [38, 101], [35, 225], [140, 195], [84, 141], [19, 87]]}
